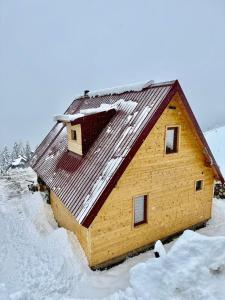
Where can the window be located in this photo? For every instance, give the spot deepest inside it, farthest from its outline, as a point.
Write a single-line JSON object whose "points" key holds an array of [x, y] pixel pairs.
{"points": [[198, 185], [74, 135], [172, 140], [140, 210]]}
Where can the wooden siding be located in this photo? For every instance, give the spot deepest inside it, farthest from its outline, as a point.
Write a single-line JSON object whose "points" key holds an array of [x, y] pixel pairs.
{"points": [[169, 182], [67, 220], [74, 145]]}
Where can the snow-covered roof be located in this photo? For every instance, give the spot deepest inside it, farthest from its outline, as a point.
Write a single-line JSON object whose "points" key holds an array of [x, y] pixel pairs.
{"points": [[121, 104], [67, 117], [19, 161], [134, 87]]}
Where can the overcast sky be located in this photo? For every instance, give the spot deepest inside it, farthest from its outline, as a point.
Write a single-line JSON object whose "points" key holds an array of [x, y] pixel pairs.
{"points": [[52, 50]]}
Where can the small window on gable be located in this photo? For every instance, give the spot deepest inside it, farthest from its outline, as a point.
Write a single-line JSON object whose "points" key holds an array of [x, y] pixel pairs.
{"points": [[198, 185], [140, 210], [172, 139], [74, 135]]}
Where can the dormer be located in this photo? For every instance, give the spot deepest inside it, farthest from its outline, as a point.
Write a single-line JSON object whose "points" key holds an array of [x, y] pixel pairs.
{"points": [[74, 138], [83, 128]]}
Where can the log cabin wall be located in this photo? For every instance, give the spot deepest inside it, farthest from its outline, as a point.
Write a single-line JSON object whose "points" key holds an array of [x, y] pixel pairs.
{"points": [[169, 182]]}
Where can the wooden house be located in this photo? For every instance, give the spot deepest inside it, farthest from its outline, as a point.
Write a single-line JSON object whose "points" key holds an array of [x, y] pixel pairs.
{"points": [[126, 167]]}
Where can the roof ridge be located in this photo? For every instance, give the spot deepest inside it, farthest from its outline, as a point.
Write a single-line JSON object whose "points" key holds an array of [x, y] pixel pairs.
{"points": [[120, 89], [126, 88]]}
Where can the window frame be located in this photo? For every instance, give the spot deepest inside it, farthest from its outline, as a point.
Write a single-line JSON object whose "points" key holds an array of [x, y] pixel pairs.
{"points": [[145, 219], [202, 185], [177, 138]]}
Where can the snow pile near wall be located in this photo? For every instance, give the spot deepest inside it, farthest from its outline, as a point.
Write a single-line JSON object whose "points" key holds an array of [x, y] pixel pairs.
{"points": [[36, 261], [194, 268], [216, 141]]}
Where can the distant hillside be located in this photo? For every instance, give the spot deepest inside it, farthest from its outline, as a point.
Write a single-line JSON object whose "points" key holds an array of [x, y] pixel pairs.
{"points": [[216, 141]]}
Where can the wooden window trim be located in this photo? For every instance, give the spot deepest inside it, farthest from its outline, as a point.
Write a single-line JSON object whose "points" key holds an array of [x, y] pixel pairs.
{"points": [[202, 185], [145, 211], [176, 141]]}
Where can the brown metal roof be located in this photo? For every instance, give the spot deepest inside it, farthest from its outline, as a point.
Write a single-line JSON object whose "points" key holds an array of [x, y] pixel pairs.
{"points": [[84, 183]]}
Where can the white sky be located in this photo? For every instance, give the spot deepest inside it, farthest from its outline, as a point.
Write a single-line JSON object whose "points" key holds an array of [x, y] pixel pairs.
{"points": [[52, 50]]}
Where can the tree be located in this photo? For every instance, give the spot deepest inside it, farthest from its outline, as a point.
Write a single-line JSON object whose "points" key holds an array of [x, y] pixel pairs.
{"points": [[16, 151], [5, 159], [27, 151]]}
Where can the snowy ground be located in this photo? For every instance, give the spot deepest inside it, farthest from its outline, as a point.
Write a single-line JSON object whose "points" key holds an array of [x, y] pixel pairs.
{"points": [[38, 260]]}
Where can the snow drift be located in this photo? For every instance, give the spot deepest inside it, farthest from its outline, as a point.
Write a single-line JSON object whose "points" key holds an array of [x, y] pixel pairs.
{"points": [[38, 260], [194, 268]]}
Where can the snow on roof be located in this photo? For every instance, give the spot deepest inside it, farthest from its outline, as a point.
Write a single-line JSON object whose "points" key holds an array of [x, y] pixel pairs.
{"points": [[121, 104], [99, 185], [135, 87], [18, 161], [68, 118]]}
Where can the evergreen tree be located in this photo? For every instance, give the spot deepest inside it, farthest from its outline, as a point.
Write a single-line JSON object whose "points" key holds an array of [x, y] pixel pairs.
{"points": [[27, 151], [5, 159], [21, 149], [17, 150]]}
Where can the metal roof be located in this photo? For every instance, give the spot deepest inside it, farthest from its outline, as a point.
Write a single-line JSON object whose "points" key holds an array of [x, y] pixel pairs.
{"points": [[83, 183]]}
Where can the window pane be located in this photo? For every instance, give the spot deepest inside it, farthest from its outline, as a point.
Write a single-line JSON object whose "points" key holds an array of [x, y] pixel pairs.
{"points": [[171, 140], [198, 185], [74, 135], [139, 209]]}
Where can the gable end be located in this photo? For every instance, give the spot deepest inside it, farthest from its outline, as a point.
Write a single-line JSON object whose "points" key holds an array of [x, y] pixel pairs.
{"points": [[145, 132]]}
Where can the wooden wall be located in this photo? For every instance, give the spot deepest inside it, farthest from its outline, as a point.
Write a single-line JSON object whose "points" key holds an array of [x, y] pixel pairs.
{"points": [[169, 182]]}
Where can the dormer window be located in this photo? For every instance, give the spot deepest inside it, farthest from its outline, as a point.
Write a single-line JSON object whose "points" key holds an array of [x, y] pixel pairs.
{"points": [[84, 127], [74, 138], [74, 135]]}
